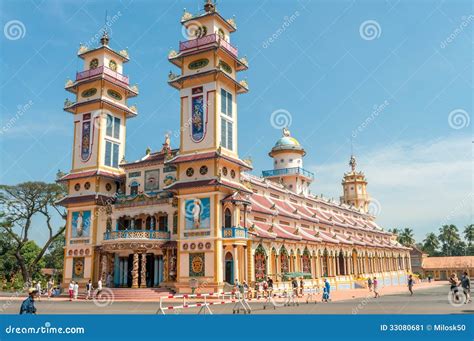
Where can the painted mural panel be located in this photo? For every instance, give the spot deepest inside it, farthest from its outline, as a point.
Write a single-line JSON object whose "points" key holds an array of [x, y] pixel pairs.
{"points": [[86, 138], [196, 264], [152, 180], [198, 214], [81, 224], [197, 119], [78, 267]]}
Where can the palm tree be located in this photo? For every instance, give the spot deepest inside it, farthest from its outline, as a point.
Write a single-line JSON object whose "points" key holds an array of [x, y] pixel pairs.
{"points": [[406, 237], [394, 231], [449, 237], [431, 243]]}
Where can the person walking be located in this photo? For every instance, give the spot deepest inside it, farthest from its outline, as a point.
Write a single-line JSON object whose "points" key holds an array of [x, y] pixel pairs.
{"points": [[76, 290], [294, 284], [49, 287], [301, 286], [99, 288], [429, 278], [71, 290], [369, 284], [28, 305], [326, 291], [270, 286], [454, 283], [466, 286], [410, 284], [376, 287], [38, 289], [89, 290]]}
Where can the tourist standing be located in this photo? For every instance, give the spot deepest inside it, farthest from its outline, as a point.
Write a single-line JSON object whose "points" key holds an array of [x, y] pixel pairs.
{"points": [[71, 290], [466, 286], [376, 287], [454, 283], [50, 286], [429, 278], [301, 286], [270, 286], [294, 284], [369, 284], [76, 290], [99, 287], [38, 289], [28, 305], [326, 291], [89, 290], [410, 284]]}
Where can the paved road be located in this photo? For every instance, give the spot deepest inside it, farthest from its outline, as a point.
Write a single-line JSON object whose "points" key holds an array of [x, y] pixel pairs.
{"points": [[426, 301]]}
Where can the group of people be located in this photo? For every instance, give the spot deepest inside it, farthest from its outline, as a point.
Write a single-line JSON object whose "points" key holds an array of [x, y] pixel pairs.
{"points": [[373, 285], [74, 290], [464, 283]]}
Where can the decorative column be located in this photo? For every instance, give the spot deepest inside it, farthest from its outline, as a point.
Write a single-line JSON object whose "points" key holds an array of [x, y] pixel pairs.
{"points": [[135, 271], [143, 271], [104, 267], [125, 272], [155, 271], [246, 267], [116, 271], [236, 264]]}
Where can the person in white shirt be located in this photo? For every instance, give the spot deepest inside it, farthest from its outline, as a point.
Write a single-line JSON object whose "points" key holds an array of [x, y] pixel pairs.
{"points": [[38, 289], [76, 290], [71, 290], [99, 287]]}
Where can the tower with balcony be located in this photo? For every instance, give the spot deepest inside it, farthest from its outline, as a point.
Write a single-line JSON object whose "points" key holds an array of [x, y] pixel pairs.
{"points": [[208, 165], [288, 168], [100, 113], [354, 185]]}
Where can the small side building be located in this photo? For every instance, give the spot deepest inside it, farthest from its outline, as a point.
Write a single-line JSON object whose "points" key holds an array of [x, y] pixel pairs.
{"points": [[440, 268]]}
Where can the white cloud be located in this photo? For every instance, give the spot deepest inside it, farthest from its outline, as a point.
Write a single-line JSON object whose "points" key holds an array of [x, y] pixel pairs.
{"points": [[421, 185]]}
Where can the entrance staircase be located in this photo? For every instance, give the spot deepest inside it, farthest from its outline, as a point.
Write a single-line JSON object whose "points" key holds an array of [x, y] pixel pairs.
{"points": [[152, 294]]}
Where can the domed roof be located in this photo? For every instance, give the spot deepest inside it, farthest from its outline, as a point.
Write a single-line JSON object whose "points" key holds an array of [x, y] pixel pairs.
{"points": [[287, 143]]}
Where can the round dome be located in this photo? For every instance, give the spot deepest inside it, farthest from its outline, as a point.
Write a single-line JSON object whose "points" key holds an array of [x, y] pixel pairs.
{"points": [[287, 143]]}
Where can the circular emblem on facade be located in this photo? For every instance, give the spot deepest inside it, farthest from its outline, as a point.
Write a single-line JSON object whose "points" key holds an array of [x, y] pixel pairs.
{"points": [[114, 94], [87, 185], [81, 252], [224, 171], [197, 264], [77, 187], [193, 246], [190, 172], [89, 92], [113, 65], [203, 170], [108, 187], [75, 252], [87, 251], [232, 173], [185, 246], [200, 246], [94, 63], [208, 245], [70, 253]]}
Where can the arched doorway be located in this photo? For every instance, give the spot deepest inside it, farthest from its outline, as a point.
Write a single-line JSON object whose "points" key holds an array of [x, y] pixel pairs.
{"points": [[342, 270], [260, 262], [229, 268], [227, 218]]}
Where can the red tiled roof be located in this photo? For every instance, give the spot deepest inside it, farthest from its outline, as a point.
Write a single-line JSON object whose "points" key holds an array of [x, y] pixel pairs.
{"points": [[86, 174], [207, 156], [455, 262], [261, 230], [207, 182], [98, 199], [150, 158]]}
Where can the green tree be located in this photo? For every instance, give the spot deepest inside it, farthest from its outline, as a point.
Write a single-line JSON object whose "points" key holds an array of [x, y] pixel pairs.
{"points": [[450, 240], [431, 244], [54, 258], [21, 207], [406, 237], [469, 234]]}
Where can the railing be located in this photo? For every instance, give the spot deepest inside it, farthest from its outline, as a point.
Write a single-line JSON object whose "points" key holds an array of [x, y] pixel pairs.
{"points": [[206, 40], [101, 70], [136, 234], [234, 232], [285, 171]]}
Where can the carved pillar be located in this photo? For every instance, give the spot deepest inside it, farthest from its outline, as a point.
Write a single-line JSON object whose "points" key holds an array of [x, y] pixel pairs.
{"points": [[165, 265], [236, 264], [104, 267], [143, 271], [135, 271]]}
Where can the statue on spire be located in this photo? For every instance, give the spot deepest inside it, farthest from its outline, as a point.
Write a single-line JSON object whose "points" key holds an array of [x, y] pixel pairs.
{"points": [[286, 132], [352, 163], [209, 6], [105, 38]]}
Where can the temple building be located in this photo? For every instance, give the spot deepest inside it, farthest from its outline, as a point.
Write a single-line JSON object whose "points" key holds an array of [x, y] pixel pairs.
{"points": [[194, 216]]}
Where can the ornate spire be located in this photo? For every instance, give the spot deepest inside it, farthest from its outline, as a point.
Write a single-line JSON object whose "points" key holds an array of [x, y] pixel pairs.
{"points": [[105, 38], [353, 163], [209, 6], [286, 132]]}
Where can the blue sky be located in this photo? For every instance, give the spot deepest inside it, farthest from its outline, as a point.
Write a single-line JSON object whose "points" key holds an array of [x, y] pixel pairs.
{"points": [[321, 69]]}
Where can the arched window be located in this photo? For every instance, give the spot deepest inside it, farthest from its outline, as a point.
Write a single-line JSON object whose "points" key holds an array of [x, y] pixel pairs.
{"points": [[260, 263], [150, 223], [227, 218], [306, 261], [134, 188], [284, 261], [94, 63]]}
